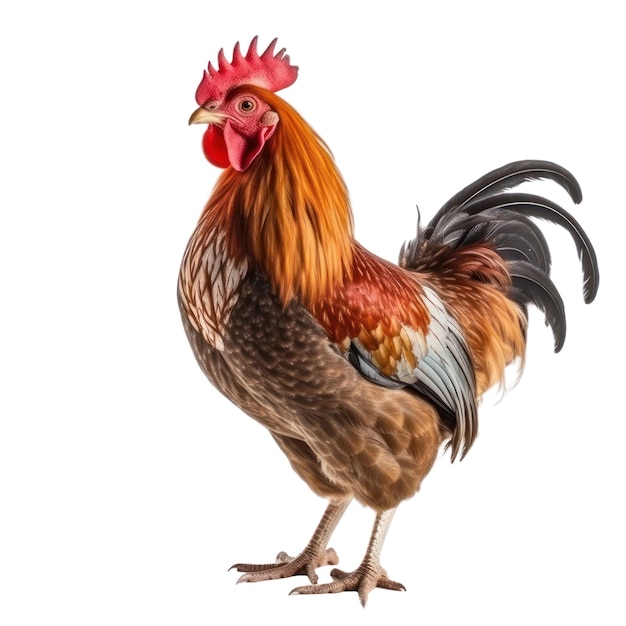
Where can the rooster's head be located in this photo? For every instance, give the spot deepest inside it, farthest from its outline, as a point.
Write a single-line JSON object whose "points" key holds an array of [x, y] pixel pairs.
{"points": [[239, 121]]}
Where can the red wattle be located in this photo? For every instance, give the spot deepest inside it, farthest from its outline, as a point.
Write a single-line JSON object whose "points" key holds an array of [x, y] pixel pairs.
{"points": [[214, 146]]}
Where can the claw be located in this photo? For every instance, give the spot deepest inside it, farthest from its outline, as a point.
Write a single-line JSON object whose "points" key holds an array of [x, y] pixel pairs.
{"points": [[245, 578], [281, 559], [367, 577], [285, 566], [313, 556], [383, 581], [251, 567]]}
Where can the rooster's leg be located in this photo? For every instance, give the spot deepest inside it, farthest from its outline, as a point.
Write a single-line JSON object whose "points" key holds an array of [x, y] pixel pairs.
{"points": [[313, 556], [368, 575]]}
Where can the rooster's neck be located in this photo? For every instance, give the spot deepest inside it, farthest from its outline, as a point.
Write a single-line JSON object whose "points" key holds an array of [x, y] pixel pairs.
{"points": [[289, 214]]}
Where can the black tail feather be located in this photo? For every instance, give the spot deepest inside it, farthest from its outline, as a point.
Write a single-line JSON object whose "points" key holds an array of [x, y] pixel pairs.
{"points": [[510, 176], [515, 238], [486, 212], [531, 285], [539, 207]]}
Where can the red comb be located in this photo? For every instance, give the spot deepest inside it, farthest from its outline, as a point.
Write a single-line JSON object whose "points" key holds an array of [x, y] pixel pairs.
{"points": [[269, 70]]}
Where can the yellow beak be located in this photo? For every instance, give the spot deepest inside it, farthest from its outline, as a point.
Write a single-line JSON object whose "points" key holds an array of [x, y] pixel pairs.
{"points": [[202, 116]]}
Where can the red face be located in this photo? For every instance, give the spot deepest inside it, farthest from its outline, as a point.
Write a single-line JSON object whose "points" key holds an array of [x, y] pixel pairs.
{"points": [[238, 128]]}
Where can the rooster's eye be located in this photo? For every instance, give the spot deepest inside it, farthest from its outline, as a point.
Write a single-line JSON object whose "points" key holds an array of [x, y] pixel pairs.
{"points": [[247, 105]]}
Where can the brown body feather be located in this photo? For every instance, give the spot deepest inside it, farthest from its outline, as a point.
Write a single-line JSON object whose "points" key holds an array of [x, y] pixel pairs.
{"points": [[358, 367], [343, 435], [291, 283]]}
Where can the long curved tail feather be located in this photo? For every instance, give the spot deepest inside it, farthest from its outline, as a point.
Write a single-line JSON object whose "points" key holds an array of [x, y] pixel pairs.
{"points": [[485, 212]]}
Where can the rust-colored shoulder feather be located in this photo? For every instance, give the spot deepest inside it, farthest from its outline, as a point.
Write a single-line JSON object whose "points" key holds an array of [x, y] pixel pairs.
{"points": [[396, 330]]}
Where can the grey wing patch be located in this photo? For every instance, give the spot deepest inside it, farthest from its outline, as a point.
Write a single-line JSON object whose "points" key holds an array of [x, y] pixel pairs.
{"points": [[443, 372]]}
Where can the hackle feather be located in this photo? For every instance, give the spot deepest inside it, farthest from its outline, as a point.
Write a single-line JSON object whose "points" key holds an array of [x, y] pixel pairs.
{"points": [[289, 210]]}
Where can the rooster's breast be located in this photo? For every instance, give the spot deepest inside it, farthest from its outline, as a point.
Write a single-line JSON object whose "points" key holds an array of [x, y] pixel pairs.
{"points": [[343, 434]]}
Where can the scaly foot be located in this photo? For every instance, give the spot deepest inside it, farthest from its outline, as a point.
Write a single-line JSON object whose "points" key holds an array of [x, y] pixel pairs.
{"points": [[304, 564], [366, 577], [313, 556]]}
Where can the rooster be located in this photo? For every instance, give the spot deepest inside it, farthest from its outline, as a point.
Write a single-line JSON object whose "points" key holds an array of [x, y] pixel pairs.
{"points": [[361, 369]]}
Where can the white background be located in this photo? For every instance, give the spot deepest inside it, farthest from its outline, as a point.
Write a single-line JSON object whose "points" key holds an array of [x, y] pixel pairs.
{"points": [[127, 484]]}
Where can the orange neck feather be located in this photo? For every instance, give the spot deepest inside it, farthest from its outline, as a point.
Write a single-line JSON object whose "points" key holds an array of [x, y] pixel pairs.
{"points": [[288, 214]]}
